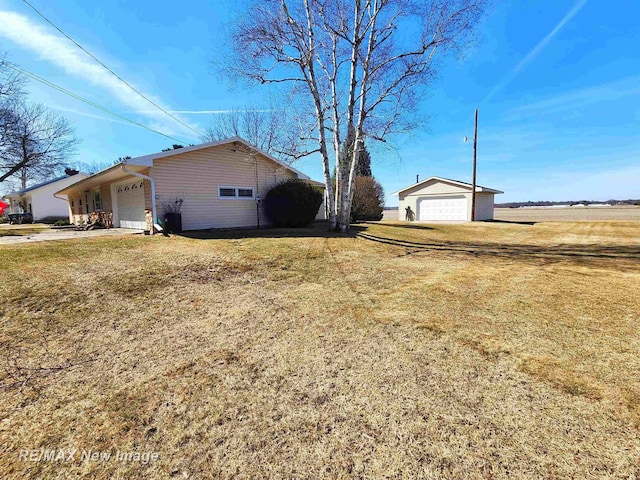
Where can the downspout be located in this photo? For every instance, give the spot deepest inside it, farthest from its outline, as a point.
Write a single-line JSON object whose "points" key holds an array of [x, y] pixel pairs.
{"points": [[257, 195], [153, 193], [55, 195]]}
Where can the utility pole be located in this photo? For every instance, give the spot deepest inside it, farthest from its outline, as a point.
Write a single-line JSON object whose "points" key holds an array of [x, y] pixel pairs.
{"points": [[473, 183]]}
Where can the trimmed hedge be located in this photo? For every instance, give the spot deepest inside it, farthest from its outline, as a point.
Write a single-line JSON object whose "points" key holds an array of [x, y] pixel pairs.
{"points": [[292, 203]]}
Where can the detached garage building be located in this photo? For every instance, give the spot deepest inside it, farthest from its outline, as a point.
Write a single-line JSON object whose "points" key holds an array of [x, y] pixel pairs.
{"points": [[442, 199]]}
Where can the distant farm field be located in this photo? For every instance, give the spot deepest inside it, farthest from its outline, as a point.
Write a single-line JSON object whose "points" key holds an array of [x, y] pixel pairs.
{"points": [[555, 214], [568, 214], [487, 350]]}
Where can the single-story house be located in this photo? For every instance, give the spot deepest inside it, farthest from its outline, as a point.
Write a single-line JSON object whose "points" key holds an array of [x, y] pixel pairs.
{"points": [[218, 184], [40, 200], [443, 199]]}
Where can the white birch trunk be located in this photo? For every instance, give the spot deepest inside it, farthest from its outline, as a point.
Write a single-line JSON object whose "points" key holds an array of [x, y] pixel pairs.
{"points": [[358, 139]]}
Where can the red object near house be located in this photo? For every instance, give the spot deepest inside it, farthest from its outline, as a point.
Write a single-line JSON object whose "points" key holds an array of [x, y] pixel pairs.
{"points": [[3, 207]]}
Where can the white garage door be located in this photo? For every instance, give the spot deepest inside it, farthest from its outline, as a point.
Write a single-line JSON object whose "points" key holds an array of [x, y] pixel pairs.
{"points": [[130, 198], [453, 207]]}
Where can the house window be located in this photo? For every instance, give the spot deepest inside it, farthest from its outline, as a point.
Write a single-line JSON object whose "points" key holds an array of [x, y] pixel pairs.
{"points": [[97, 200], [238, 193]]}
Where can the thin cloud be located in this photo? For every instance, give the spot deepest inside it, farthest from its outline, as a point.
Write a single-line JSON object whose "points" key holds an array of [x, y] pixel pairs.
{"points": [[209, 112], [60, 52], [87, 114], [579, 98], [536, 51]]}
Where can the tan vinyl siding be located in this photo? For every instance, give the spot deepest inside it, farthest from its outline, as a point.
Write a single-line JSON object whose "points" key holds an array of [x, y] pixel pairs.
{"points": [[147, 195], [435, 187], [105, 193], [195, 177], [484, 206]]}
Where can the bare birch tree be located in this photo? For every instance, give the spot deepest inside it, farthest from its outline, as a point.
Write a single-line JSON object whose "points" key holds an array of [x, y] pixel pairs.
{"points": [[361, 65], [269, 128]]}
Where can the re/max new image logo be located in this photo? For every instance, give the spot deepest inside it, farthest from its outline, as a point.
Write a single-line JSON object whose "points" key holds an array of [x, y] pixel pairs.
{"points": [[77, 455]]}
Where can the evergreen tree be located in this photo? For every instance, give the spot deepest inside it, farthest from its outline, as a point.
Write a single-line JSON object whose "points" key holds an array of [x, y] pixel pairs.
{"points": [[363, 168], [364, 163]]}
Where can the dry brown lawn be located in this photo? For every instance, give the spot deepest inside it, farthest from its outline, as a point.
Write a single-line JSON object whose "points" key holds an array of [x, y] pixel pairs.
{"points": [[403, 351], [7, 230]]}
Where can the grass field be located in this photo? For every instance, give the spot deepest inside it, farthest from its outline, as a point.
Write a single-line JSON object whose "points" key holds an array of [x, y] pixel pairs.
{"points": [[489, 350], [619, 213]]}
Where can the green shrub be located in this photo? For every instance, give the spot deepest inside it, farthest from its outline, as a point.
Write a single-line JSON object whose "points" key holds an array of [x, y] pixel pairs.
{"points": [[292, 204], [61, 223]]}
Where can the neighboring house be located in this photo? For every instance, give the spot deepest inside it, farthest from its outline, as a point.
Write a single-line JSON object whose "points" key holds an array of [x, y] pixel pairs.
{"points": [[40, 200], [442, 199], [220, 185]]}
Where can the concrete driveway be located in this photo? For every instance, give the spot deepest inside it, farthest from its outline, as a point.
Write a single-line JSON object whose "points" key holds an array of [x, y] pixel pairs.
{"points": [[48, 234]]}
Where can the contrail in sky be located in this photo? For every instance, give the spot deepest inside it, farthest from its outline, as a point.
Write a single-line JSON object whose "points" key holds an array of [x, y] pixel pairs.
{"points": [[536, 51], [207, 112], [49, 47]]}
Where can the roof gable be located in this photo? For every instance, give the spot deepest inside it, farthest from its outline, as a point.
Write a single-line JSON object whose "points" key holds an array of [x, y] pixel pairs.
{"points": [[147, 160], [79, 176], [449, 181]]}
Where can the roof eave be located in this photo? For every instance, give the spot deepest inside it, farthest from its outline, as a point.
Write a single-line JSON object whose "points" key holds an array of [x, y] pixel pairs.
{"points": [[19, 193], [450, 181], [147, 160], [91, 178]]}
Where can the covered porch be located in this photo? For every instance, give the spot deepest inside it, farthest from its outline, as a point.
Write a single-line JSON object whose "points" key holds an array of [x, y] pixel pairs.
{"points": [[113, 197], [18, 203]]}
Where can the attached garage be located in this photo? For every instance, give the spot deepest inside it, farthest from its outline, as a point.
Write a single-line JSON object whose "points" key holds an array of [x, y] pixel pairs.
{"points": [[438, 199], [214, 185], [130, 204]]}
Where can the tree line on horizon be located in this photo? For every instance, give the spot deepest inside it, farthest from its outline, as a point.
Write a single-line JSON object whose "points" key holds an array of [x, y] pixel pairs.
{"points": [[546, 203]]}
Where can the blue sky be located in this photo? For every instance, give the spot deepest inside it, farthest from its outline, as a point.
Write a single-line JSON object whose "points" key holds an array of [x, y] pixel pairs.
{"points": [[557, 84]]}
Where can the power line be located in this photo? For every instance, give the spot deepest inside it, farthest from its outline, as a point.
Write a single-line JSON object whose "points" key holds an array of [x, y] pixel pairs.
{"points": [[88, 102], [112, 72]]}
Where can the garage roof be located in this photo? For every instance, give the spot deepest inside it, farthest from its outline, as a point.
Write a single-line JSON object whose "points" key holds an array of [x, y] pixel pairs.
{"points": [[479, 188]]}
